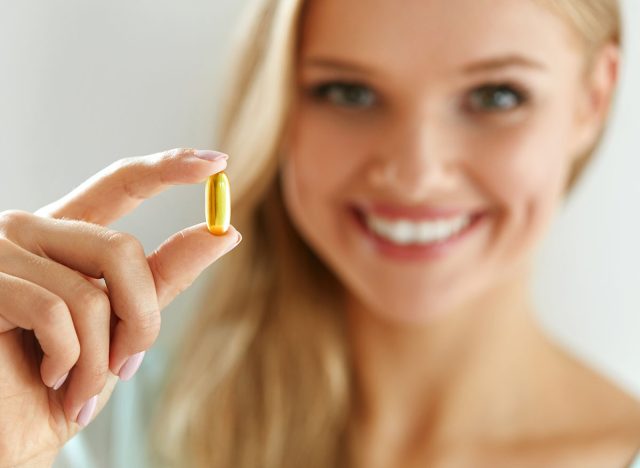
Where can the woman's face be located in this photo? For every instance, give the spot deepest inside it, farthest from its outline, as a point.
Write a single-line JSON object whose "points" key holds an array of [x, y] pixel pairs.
{"points": [[430, 143]]}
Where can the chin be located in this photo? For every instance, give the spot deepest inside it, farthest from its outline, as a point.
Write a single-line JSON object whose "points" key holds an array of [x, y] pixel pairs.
{"points": [[409, 310]]}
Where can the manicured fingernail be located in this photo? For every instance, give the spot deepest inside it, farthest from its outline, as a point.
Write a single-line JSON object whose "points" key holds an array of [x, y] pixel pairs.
{"points": [[234, 245], [60, 381], [84, 416], [209, 155], [130, 366]]}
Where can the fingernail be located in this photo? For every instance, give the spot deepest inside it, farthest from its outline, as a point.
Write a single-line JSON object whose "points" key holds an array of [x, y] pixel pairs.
{"points": [[234, 245], [209, 155], [130, 366], [60, 381], [84, 416]]}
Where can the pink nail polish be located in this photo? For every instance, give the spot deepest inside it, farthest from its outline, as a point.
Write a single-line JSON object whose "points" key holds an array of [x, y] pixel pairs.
{"points": [[84, 416], [130, 366], [209, 155], [60, 381]]}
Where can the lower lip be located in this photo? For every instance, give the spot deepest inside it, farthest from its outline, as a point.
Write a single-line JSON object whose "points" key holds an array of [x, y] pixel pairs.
{"points": [[414, 251]]}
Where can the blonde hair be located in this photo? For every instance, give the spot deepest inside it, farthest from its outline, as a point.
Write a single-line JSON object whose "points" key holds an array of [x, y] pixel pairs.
{"points": [[263, 376]]}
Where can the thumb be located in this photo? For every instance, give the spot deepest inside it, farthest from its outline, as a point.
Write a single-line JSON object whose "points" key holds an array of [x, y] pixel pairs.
{"points": [[178, 261]]}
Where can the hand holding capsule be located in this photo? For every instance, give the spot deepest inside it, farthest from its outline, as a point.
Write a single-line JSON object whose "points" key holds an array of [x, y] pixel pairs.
{"points": [[51, 268]]}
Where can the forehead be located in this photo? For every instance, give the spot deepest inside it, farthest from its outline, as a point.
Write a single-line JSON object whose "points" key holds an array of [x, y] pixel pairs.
{"points": [[448, 33]]}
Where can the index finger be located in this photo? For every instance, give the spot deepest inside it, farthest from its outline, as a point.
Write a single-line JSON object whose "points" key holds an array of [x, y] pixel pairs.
{"points": [[120, 187]]}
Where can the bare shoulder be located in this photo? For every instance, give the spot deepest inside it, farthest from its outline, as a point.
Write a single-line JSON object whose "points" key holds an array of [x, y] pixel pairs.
{"points": [[619, 412], [603, 397], [607, 415]]}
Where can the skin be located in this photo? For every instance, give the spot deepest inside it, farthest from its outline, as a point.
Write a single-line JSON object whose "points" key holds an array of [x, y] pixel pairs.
{"points": [[89, 295], [451, 367]]}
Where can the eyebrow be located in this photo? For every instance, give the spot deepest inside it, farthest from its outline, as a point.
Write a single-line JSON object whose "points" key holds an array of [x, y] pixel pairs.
{"points": [[502, 62], [490, 64], [337, 64]]}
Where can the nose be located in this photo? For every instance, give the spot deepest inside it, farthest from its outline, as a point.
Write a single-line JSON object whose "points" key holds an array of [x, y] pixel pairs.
{"points": [[415, 161]]}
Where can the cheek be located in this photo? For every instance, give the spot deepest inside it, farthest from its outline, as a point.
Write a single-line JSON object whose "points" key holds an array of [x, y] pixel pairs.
{"points": [[524, 170], [527, 163]]}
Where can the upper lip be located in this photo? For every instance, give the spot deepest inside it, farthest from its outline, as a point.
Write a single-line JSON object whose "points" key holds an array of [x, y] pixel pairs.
{"points": [[418, 212]]}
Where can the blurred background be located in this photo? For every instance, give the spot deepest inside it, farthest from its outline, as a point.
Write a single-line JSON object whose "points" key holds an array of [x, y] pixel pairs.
{"points": [[84, 83]]}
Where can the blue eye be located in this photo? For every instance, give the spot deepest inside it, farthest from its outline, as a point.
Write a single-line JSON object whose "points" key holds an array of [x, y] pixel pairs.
{"points": [[495, 98], [345, 94]]}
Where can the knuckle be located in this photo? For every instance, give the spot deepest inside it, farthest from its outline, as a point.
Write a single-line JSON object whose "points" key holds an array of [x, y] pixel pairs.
{"points": [[121, 167], [72, 351], [6, 246], [149, 325], [175, 152], [169, 155], [12, 219], [124, 244], [95, 299], [121, 163], [52, 311], [163, 157], [13, 215], [68, 351]]}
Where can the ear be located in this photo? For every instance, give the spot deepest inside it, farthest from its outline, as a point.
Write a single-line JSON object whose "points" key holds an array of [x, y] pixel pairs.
{"points": [[599, 85]]}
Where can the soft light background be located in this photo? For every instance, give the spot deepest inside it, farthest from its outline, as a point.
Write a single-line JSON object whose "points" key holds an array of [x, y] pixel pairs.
{"points": [[84, 83]]}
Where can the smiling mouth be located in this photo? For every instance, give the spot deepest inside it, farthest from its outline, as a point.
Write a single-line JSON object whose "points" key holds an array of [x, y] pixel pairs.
{"points": [[415, 238], [404, 231]]}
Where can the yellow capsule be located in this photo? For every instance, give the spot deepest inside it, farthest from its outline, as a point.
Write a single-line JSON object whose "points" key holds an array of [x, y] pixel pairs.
{"points": [[218, 203]]}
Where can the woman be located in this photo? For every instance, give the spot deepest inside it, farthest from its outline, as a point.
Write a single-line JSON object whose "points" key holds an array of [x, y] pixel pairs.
{"points": [[393, 169]]}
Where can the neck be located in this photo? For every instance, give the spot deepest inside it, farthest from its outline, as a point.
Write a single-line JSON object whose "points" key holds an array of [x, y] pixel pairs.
{"points": [[465, 375]]}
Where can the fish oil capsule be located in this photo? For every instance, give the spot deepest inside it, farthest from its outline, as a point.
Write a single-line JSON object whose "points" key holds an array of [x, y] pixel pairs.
{"points": [[218, 203]]}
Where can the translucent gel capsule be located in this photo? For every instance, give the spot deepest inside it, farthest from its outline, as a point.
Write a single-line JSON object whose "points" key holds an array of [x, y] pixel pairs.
{"points": [[218, 203]]}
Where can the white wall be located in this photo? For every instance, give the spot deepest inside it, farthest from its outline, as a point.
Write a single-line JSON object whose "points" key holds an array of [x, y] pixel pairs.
{"points": [[588, 277], [83, 83]]}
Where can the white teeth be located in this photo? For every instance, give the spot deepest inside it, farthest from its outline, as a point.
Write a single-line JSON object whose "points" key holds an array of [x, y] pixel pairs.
{"points": [[404, 231]]}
